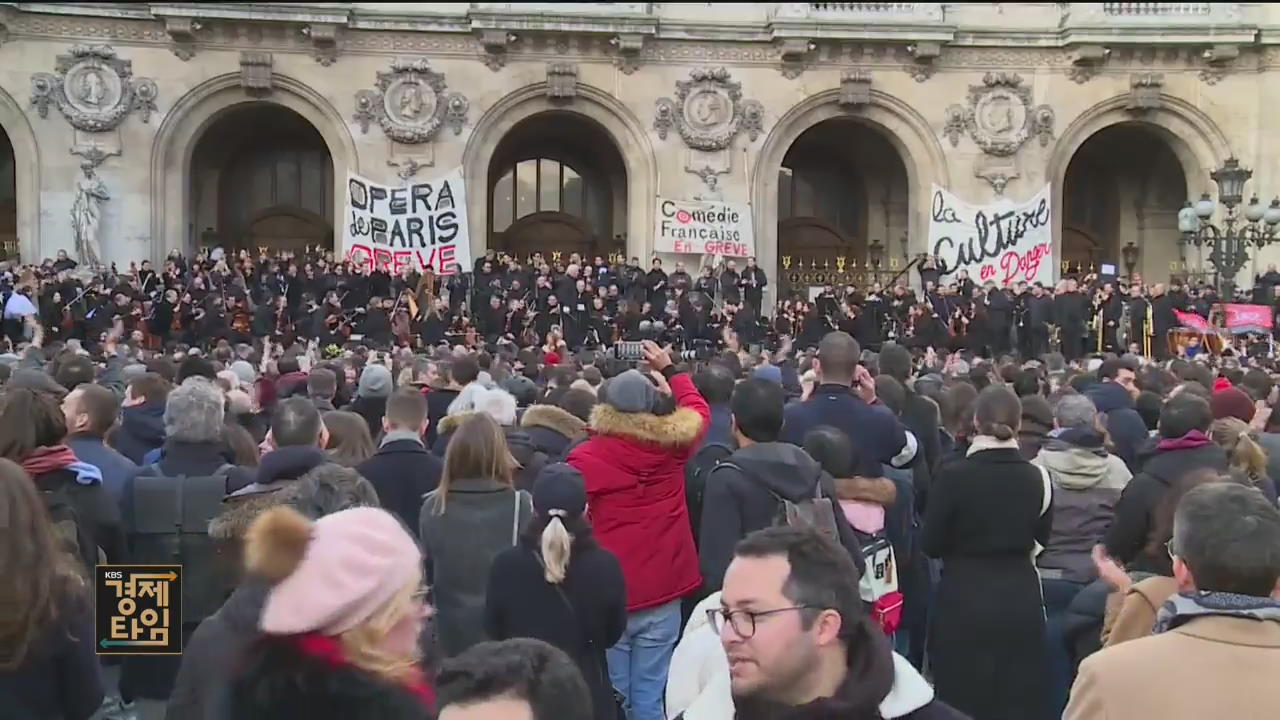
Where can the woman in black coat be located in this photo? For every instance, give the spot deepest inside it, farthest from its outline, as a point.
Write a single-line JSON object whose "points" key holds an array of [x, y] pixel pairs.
{"points": [[988, 514], [559, 586]]}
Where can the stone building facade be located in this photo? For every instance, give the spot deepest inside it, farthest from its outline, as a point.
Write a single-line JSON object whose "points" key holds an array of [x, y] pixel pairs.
{"points": [[236, 124]]}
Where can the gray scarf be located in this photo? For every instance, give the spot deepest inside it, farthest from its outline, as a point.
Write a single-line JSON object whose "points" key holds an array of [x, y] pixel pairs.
{"points": [[1184, 607]]}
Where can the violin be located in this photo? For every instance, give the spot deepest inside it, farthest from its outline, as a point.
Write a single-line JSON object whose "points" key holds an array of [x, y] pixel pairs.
{"points": [[241, 322]]}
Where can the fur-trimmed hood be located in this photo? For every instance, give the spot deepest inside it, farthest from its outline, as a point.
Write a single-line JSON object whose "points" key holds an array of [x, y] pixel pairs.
{"points": [[880, 491], [449, 423], [239, 512], [552, 418], [677, 430]]}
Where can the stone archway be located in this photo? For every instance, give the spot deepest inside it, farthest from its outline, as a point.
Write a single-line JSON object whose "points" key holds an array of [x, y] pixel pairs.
{"points": [[624, 129], [906, 131], [26, 170], [1196, 141], [193, 113]]}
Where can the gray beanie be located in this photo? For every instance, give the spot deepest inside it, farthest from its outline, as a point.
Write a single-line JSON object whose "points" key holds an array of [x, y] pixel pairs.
{"points": [[244, 372], [375, 382], [630, 392]]}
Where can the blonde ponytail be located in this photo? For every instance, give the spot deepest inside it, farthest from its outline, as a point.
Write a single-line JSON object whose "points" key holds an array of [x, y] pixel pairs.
{"points": [[556, 545]]}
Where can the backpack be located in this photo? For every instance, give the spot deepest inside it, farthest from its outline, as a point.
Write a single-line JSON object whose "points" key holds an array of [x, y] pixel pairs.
{"points": [[171, 527], [879, 584], [696, 472], [815, 513], [68, 532]]}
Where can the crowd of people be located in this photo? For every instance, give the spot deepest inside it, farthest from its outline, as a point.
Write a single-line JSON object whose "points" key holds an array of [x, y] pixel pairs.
{"points": [[492, 520], [572, 303]]}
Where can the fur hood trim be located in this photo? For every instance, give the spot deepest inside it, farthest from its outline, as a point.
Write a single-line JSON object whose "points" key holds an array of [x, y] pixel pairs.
{"points": [[239, 512], [677, 430], [552, 418], [880, 491], [449, 423]]}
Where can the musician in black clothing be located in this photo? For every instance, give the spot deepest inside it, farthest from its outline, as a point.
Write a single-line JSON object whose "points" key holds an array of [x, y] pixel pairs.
{"points": [[753, 283], [1163, 305], [432, 327], [706, 283], [1111, 308], [376, 325], [999, 311], [730, 287], [656, 283], [1070, 312], [1040, 316], [680, 279], [1138, 311], [491, 321]]}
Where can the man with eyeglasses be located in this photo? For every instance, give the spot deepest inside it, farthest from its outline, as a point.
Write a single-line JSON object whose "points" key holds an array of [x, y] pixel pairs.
{"points": [[799, 643], [1215, 648]]}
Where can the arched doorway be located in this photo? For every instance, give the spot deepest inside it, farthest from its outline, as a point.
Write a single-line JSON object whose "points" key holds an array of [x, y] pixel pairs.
{"points": [[8, 199], [557, 183], [842, 187], [1124, 184], [262, 176]]}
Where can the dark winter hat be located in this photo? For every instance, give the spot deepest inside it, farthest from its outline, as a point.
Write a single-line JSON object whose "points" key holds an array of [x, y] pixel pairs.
{"points": [[630, 392], [1232, 402], [560, 490]]}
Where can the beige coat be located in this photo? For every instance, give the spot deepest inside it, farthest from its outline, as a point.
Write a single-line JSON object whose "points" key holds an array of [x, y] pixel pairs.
{"points": [[1211, 667]]}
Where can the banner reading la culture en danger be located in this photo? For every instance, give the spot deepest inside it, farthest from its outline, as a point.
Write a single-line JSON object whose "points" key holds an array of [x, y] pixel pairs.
{"points": [[1004, 242], [419, 225], [704, 227]]}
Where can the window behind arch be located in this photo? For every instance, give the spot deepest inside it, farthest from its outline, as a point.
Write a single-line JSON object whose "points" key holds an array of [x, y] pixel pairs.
{"points": [[538, 185]]}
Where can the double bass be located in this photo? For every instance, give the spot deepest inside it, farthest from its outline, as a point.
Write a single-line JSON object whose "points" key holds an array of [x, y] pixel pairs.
{"points": [[402, 319]]}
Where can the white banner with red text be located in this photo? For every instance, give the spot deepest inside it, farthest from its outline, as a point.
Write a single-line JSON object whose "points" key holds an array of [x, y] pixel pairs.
{"points": [[1004, 242], [704, 227], [419, 224]]}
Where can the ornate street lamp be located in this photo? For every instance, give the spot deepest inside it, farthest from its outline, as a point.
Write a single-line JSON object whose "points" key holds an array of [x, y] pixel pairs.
{"points": [[1229, 241], [875, 253], [1130, 255]]}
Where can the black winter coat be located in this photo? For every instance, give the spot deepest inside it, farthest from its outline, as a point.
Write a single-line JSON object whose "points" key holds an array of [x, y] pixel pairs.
{"points": [[1132, 538], [201, 691], [371, 409], [60, 677], [437, 408], [742, 495], [987, 645], [586, 615], [403, 472], [97, 514], [279, 682]]}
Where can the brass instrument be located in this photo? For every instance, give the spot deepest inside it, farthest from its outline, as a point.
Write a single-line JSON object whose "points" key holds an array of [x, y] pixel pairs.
{"points": [[1122, 332], [1149, 332], [1097, 320], [1055, 338]]}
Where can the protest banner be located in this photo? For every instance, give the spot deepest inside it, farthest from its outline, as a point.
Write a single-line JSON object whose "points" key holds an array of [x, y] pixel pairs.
{"points": [[417, 225], [1192, 320], [1005, 242], [704, 227], [1243, 318]]}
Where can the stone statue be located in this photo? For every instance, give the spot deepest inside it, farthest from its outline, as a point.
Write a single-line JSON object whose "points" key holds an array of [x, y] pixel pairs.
{"points": [[411, 101], [86, 215], [713, 189]]}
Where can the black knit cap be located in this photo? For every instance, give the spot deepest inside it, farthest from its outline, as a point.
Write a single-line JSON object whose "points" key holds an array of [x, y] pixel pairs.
{"points": [[561, 490]]}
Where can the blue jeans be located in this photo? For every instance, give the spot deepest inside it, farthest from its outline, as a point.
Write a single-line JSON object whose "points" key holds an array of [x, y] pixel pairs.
{"points": [[1058, 595], [639, 662]]}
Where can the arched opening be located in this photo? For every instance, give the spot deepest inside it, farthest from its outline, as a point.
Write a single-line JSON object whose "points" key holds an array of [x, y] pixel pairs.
{"points": [[1125, 184], [557, 183], [8, 198], [261, 176], [842, 187]]}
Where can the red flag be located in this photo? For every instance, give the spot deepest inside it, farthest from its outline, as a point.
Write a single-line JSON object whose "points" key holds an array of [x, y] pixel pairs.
{"points": [[1192, 320]]}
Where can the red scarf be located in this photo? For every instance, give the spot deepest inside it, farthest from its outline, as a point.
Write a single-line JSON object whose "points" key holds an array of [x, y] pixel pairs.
{"points": [[328, 650], [47, 459]]}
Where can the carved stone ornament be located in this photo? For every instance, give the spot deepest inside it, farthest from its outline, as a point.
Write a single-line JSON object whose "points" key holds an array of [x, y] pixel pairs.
{"points": [[953, 124], [855, 89], [410, 103], [708, 111], [562, 81], [256, 75], [629, 46], [999, 116], [794, 54], [494, 43], [93, 89], [1042, 119], [182, 31], [1144, 92], [324, 42]]}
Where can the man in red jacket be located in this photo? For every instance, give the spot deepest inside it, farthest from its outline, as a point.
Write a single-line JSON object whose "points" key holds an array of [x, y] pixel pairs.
{"points": [[641, 434]]}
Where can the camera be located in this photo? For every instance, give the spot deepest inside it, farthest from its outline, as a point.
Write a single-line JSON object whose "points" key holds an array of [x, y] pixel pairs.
{"points": [[698, 350]]}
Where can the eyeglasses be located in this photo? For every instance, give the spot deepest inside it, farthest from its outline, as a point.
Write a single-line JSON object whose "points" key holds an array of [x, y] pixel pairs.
{"points": [[743, 622], [1168, 546]]}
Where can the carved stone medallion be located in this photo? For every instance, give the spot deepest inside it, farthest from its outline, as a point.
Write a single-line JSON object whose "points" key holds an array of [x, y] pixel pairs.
{"points": [[410, 103], [999, 116], [708, 111], [93, 89]]}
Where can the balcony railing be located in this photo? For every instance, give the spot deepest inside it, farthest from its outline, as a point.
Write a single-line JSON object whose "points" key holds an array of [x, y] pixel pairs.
{"points": [[1156, 9], [859, 12], [863, 7]]}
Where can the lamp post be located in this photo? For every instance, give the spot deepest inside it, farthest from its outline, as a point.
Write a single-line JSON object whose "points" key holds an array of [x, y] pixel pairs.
{"points": [[1130, 255], [876, 255], [1229, 241]]}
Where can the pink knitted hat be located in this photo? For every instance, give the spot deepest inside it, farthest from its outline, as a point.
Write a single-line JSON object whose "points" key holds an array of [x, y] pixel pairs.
{"points": [[354, 563]]}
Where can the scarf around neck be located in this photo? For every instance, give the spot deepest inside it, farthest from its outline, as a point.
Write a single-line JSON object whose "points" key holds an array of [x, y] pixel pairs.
{"points": [[1185, 607], [987, 442], [328, 650], [47, 459], [1191, 440]]}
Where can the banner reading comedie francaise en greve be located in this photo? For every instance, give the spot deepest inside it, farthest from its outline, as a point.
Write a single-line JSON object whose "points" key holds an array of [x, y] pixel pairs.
{"points": [[704, 227], [418, 225]]}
